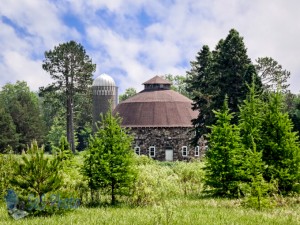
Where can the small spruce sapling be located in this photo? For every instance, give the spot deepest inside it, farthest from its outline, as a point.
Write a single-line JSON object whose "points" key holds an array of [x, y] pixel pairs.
{"points": [[108, 164], [223, 158]]}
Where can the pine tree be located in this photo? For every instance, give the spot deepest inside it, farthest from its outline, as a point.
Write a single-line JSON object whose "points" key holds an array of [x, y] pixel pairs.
{"points": [[108, 164], [280, 145], [273, 76], [223, 159], [37, 173], [71, 68]]}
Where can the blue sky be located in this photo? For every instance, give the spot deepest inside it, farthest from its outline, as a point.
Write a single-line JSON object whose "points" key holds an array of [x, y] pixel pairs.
{"points": [[133, 41]]}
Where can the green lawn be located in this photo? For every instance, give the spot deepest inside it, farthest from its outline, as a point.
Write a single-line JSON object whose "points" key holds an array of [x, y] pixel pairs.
{"points": [[201, 211]]}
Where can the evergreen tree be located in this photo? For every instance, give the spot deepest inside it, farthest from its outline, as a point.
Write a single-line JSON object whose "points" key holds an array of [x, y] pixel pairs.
{"points": [[233, 70], [37, 173], [224, 71], [108, 164], [199, 84], [250, 123], [251, 119], [273, 76], [223, 158], [280, 145], [71, 68]]}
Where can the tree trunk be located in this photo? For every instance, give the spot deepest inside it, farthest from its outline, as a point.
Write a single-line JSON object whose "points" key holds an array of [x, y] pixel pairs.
{"points": [[70, 123], [113, 197]]}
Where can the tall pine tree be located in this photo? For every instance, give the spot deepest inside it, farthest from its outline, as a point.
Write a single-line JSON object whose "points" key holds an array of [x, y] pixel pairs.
{"points": [[71, 68]]}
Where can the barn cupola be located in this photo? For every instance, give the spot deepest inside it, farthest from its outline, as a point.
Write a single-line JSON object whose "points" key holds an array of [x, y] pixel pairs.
{"points": [[157, 83]]}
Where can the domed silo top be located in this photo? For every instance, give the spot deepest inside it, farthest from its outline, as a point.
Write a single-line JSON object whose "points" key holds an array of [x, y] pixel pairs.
{"points": [[104, 80]]}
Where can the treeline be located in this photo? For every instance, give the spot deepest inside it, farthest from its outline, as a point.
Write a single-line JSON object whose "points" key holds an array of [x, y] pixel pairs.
{"points": [[64, 107]]}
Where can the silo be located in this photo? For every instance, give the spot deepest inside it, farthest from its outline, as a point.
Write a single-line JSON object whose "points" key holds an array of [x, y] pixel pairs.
{"points": [[104, 90]]}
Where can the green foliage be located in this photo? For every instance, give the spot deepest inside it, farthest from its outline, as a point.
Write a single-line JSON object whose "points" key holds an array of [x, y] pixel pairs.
{"points": [[71, 68], [108, 164], [154, 184], [191, 176], [224, 71], [250, 123], [273, 76], [9, 136], [179, 84], [223, 158], [7, 162], [292, 102], [37, 173], [233, 70], [129, 92], [199, 84], [57, 130], [280, 146], [23, 107]]}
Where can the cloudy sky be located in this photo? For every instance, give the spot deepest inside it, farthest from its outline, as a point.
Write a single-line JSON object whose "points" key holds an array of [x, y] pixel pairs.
{"points": [[133, 40]]}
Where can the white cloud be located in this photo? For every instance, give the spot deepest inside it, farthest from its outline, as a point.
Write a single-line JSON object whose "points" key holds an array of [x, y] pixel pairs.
{"points": [[21, 68], [133, 51]]}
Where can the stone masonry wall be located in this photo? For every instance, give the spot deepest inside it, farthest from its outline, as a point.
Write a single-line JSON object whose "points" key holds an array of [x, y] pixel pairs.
{"points": [[165, 138]]}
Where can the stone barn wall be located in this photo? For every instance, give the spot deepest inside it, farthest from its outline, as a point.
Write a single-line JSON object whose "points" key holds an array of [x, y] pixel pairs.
{"points": [[165, 139]]}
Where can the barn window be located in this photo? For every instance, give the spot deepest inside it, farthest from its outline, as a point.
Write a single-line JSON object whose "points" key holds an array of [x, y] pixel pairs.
{"points": [[137, 150], [152, 151], [184, 151], [197, 148]]}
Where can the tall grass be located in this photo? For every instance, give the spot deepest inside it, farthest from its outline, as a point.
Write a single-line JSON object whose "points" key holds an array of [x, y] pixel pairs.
{"points": [[178, 211], [164, 193]]}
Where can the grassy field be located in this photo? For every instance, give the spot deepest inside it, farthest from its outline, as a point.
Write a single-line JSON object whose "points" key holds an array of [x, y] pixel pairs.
{"points": [[166, 195], [183, 211]]}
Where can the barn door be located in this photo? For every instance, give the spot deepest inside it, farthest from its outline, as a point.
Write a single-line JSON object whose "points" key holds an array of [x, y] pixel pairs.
{"points": [[169, 154]]}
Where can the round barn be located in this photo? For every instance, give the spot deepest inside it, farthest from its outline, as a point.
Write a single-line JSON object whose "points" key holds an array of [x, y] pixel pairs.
{"points": [[160, 120]]}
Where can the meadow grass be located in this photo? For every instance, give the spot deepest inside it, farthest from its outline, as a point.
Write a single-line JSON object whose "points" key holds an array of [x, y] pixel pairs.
{"points": [[177, 211]]}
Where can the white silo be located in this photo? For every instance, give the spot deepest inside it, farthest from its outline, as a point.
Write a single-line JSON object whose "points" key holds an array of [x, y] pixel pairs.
{"points": [[104, 90]]}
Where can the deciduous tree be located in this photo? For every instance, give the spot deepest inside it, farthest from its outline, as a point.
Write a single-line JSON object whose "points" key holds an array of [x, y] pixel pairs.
{"points": [[23, 107], [179, 84], [129, 92]]}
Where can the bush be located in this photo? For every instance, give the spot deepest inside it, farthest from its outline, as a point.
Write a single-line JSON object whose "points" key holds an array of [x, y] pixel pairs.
{"points": [[7, 163], [190, 177], [154, 184]]}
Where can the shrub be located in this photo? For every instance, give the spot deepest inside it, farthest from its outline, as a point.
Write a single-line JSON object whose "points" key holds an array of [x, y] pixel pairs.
{"points": [[190, 176], [37, 173], [154, 184]]}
